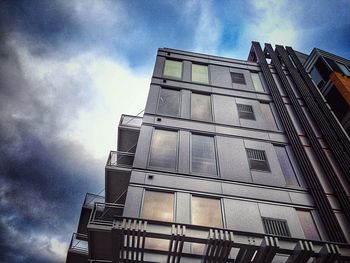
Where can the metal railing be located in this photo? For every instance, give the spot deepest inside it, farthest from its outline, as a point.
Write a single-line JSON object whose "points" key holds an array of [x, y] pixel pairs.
{"points": [[91, 199], [79, 243], [104, 213], [129, 120], [120, 159]]}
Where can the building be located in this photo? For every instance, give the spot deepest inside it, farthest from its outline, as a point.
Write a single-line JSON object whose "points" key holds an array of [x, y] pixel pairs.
{"points": [[331, 74], [232, 161]]}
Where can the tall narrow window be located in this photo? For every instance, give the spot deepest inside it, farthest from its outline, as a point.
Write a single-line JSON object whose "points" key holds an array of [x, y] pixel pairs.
{"points": [[203, 155], [164, 149], [173, 69], [201, 107], [257, 82], [206, 212], [200, 73], [308, 225], [245, 111], [268, 116], [257, 160], [237, 78], [158, 206], [286, 166], [169, 102], [275, 226]]}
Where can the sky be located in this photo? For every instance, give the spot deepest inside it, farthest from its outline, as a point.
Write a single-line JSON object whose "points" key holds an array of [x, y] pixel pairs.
{"points": [[69, 69]]}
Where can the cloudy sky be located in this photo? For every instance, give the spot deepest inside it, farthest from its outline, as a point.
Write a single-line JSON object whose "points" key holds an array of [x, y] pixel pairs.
{"points": [[69, 69]]}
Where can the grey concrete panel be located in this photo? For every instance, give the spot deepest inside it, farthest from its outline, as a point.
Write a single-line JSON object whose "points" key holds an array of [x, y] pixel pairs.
{"points": [[249, 83], [312, 122], [255, 193], [225, 110], [243, 216], [220, 76], [185, 104], [247, 133], [184, 152], [137, 177], [183, 208], [276, 117], [264, 97], [233, 164], [295, 166], [234, 93], [295, 120], [148, 119], [270, 122], [158, 68], [263, 82], [279, 84], [186, 124], [275, 176], [301, 198], [152, 99], [286, 213], [186, 71], [259, 121], [185, 183], [133, 202], [291, 83], [278, 137], [143, 147], [344, 224]]}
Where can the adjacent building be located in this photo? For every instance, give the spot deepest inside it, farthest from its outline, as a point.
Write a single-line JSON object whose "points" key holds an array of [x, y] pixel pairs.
{"points": [[232, 161]]}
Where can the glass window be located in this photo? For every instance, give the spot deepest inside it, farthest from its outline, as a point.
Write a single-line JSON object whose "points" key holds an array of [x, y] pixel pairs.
{"points": [[200, 73], [169, 102], [308, 225], [163, 149], [286, 166], [245, 111], [268, 116], [173, 68], [158, 206], [316, 77], [257, 82], [237, 78], [343, 68], [203, 155], [201, 107], [206, 212]]}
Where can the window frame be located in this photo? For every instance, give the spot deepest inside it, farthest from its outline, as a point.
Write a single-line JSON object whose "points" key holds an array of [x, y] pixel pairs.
{"points": [[172, 77], [267, 161], [241, 106], [200, 64], [215, 152], [180, 102], [211, 106], [176, 154]]}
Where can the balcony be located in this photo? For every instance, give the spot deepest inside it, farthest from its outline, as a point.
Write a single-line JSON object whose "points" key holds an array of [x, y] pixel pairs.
{"points": [[138, 240], [131, 121], [121, 159], [78, 249], [128, 133]]}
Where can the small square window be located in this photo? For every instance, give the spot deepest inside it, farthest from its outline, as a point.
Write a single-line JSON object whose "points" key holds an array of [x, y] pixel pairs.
{"points": [[257, 160], [200, 73], [173, 68], [238, 78], [278, 227], [245, 112]]}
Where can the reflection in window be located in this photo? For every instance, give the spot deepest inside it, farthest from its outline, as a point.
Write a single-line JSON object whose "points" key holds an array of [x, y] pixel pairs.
{"points": [[206, 212], [257, 82], [203, 155], [169, 102], [201, 107], [158, 206], [286, 166], [163, 149], [308, 225], [316, 77], [343, 68], [200, 73], [173, 68]]}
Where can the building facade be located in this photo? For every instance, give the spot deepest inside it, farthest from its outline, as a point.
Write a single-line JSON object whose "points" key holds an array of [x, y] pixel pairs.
{"points": [[232, 161]]}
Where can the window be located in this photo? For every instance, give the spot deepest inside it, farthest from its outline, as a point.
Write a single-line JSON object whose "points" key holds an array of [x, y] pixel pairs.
{"points": [[257, 160], [206, 212], [169, 102], [278, 227], [344, 68], [245, 112], [164, 149], [286, 166], [203, 155], [200, 73], [173, 69], [257, 82], [237, 78], [268, 116], [158, 206], [308, 225], [201, 107]]}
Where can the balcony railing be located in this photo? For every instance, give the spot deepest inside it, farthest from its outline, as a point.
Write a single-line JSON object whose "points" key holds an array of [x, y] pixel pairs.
{"points": [[129, 120], [104, 214], [120, 159], [91, 199], [79, 243], [138, 238]]}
